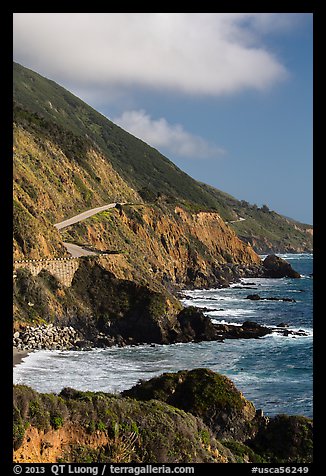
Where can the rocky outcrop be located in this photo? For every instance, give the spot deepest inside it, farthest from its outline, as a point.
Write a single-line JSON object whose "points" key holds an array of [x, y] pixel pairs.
{"points": [[248, 330], [195, 326], [276, 267], [102, 310], [257, 297], [252, 330], [205, 394]]}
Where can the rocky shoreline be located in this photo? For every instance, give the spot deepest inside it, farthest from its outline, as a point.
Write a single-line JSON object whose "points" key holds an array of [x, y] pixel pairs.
{"points": [[138, 316], [46, 337], [51, 337], [67, 338]]}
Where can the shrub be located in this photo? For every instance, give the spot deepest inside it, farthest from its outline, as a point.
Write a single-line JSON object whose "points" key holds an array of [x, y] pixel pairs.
{"points": [[56, 421]]}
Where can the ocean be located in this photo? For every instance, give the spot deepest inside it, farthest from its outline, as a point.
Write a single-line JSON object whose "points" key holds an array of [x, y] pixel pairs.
{"points": [[274, 372]]}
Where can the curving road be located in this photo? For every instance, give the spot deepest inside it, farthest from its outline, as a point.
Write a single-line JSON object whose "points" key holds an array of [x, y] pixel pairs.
{"points": [[235, 221], [83, 216], [75, 250]]}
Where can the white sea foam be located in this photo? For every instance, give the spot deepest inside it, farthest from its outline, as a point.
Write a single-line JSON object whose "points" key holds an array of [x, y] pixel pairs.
{"points": [[276, 335], [289, 256], [236, 313], [223, 321]]}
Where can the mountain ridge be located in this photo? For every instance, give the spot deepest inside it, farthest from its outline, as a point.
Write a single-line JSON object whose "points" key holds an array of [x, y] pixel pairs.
{"points": [[132, 158]]}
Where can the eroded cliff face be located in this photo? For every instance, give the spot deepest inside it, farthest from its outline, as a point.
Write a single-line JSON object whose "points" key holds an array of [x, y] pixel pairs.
{"points": [[53, 182], [155, 244]]}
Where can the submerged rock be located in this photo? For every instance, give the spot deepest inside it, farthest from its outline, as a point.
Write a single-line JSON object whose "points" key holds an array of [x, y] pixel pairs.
{"points": [[257, 297], [253, 297]]}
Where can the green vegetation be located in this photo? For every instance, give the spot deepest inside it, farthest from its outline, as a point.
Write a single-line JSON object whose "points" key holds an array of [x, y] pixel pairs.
{"points": [[50, 114], [242, 452], [136, 431], [285, 439], [205, 394], [141, 425], [195, 391]]}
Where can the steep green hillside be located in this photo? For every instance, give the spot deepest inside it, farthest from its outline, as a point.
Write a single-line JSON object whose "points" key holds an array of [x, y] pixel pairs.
{"points": [[264, 229], [77, 149], [74, 121]]}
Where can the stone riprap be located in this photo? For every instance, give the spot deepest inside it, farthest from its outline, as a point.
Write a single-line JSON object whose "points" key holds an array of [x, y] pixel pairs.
{"points": [[46, 337]]}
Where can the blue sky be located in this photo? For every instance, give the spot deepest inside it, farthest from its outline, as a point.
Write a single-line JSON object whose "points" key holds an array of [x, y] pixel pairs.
{"points": [[227, 97]]}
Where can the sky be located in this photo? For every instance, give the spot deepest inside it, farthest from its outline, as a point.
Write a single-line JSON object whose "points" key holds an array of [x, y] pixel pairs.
{"points": [[226, 96]]}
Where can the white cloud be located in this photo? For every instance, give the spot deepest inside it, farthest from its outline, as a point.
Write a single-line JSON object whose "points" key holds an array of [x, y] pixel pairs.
{"points": [[192, 53], [162, 135]]}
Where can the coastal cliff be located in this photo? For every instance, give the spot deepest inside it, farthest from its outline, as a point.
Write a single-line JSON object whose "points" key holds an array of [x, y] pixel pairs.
{"points": [[157, 244], [69, 158], [166, 232]]}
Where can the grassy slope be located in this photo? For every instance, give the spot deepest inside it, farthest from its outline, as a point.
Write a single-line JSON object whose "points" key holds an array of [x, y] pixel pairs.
{"points": [[131, 157], [264, 230], [51, 113]]}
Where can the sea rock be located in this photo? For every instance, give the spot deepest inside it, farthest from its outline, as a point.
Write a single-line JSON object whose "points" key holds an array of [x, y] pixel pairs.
{"points": [[206, 394], [253, 297], [195, 326], [276, 267], [290, 332], [248, 330]]}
